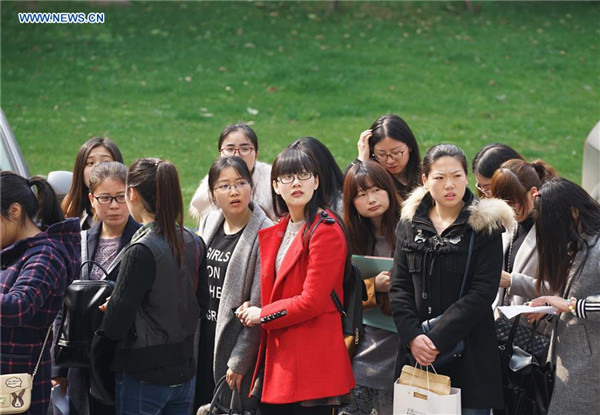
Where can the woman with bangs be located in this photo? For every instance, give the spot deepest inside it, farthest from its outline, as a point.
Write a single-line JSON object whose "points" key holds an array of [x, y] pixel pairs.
{"points": [[76, 203], [391, 143], [371, 214], [303, 366], [518, 182], [231, 236]]}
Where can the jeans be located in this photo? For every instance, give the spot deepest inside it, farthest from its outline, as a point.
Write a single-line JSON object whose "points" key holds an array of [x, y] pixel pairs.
{"points": [[475, 411], [133, 397]]}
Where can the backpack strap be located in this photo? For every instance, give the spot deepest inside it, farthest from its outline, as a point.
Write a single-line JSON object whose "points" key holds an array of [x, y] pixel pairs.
{"points": [[85, 272], [325, 218]]}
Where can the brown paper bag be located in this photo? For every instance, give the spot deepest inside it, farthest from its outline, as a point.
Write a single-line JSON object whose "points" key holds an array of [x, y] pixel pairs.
{"points": [[438, 384]]}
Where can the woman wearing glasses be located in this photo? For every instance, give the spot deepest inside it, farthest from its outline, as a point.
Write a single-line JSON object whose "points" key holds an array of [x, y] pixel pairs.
{"points": [[392, 144], [303, 365], [76, 203], [231, 235], [486, 162], [238, 140], [111, 233]]}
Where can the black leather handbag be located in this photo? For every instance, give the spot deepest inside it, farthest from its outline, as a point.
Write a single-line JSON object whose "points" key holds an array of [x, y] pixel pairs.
{"points": [[218, 406], [457, 351], [80, 319], [527, 379]]}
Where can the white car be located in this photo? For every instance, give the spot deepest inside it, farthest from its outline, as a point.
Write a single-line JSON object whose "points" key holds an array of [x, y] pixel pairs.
{"points": [[12, 159], [590, 172]]}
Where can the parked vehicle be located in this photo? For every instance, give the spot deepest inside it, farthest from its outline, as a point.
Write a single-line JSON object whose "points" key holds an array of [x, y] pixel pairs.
{"points": [[11, 158]]}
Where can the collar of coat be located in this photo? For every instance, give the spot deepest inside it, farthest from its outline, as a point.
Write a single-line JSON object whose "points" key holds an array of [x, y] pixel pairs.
{"points": [[486, 215]]}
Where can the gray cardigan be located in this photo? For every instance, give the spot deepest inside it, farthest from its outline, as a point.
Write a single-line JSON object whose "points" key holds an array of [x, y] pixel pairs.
{"points": [[236, 346], [524, 271], [577, 387]]}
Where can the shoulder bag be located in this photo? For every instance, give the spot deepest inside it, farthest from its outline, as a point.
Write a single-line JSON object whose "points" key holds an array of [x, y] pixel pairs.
{"points": [[15, 389], [457, 351]]}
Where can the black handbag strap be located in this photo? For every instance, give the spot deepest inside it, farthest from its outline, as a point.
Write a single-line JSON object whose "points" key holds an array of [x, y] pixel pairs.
{"points": [[463, 287], [234, 405]]}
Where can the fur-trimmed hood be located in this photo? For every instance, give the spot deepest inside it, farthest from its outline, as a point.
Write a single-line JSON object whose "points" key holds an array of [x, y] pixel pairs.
{"points": [[486, 215]]}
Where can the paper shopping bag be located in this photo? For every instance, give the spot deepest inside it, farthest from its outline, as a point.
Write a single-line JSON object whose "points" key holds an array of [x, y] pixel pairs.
{"points": [[411, 400], [439, 384]]}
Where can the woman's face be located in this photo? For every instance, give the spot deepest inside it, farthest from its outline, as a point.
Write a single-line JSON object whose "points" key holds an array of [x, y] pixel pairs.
{"points": [[97, 155], [523, 212], [483, 184], [235, 143], [371, 202], [8, 230], [393, 155], [232, 193], [297, 189], [447, 182], [113, 213]]}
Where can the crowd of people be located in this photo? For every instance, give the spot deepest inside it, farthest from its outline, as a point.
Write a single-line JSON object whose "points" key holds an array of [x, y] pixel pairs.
{"points": [[250, 296]]}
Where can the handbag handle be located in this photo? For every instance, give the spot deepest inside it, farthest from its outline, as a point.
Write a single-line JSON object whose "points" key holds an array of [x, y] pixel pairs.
{"points": [[463, 287], [219, 389], [41, 352]]}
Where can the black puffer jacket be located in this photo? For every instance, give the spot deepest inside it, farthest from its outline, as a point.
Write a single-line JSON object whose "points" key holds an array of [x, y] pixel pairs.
{"points": [[426, 281]]}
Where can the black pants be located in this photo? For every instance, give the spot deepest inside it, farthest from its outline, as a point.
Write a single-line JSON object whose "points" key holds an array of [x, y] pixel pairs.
{"points": [[294, 409]]}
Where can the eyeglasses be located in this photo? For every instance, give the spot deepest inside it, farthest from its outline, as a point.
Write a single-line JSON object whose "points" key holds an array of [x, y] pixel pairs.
{"points": [[486, 189], [224, 188], [107, 200], [242, 151], [289, 178], [394, 155]]}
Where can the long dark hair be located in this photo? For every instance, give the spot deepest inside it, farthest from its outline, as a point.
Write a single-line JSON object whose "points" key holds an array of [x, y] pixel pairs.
{"points": [[42, 209], [563, 213], [330, 175], [76, 201], [361, 176], [294, 161], [513, 180], [396, 128], [157, 183]]}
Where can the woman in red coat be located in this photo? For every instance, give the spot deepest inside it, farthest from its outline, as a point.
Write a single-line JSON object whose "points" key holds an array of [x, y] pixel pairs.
{"points": [[303, 364]]}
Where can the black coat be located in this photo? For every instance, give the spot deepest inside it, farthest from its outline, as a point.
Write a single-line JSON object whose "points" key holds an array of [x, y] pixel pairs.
{"points": [[426, 280]]}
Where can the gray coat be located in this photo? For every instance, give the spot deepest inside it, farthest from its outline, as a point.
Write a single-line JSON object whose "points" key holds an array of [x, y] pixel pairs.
{"points": [[236, 346], [577, 387]]}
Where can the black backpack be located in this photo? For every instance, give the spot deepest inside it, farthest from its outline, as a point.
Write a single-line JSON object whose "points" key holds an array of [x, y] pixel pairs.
{"points": [[355, 292]]}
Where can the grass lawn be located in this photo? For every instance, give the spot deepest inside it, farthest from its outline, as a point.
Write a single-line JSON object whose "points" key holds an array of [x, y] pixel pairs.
{"points": [[163, 78]]}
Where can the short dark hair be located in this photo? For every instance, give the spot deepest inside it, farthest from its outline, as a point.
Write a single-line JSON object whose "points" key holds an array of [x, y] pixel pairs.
{"points": [[244, 128], [443, 150]]}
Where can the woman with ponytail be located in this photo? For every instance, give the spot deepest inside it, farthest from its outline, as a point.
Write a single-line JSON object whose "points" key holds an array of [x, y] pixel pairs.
{"points": [[518, 183], [40, 256], [160, 294]]}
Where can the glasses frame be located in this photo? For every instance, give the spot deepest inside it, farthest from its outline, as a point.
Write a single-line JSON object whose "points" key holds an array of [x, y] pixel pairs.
{"points": [[239, 150], [394, 155], [294, 177], [225, 188], [115, 198], [487, 192]]}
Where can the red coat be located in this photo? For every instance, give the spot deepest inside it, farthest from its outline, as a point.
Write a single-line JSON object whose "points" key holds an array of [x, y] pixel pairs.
{"points": [[302, 346]]}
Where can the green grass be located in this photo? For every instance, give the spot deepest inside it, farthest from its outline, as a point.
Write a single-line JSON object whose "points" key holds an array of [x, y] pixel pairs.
{"points": [[163, 78]]}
